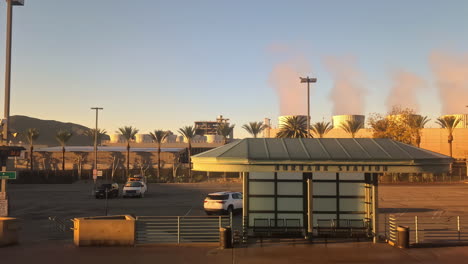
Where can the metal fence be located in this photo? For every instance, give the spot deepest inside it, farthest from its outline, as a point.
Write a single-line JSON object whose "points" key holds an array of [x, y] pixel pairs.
{"points": [[180, 229], [60, 228], [427, 230]]}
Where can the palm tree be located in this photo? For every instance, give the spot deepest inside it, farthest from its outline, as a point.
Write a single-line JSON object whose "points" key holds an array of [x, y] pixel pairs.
{"points": [[62, 137], [128, 132], [254, 128], [31, 135], [418, 122], [449, 123], [225, 130], [100, 133], [158, 136], [352, 127], [189, 133], [320, 129], [293, 127]]}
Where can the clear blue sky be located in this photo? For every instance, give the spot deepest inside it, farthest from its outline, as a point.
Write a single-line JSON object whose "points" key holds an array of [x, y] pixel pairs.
{"points": [[165, 64]]}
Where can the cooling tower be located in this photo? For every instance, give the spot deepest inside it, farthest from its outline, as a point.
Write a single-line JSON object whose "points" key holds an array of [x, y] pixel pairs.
{"points": [[463, 120], [116, 138], [337, 120], [282, 119]]}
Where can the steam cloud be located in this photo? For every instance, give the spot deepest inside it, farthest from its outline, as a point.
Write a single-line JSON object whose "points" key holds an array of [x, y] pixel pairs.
{"points": [[451, 72], [285, 79], [347, 94], [404, 90]]}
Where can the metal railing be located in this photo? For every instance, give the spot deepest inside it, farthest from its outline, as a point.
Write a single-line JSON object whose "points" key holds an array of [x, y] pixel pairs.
{"points": [[60, 228], [179, 229], [429, 230]]}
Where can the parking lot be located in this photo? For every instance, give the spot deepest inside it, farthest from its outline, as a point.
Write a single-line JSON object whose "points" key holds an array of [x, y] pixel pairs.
{"points": [[33, 204]]}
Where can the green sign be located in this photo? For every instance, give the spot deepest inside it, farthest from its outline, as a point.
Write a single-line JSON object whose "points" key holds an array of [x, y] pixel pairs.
{"points": [[8, 175]]}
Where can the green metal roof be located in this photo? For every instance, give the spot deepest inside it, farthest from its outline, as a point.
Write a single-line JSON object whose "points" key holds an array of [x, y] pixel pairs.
{"points": [[362, 151]]}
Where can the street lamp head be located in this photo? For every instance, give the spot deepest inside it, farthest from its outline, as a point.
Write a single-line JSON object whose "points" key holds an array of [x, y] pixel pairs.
{"points": [[308, 80], [17, 2]]}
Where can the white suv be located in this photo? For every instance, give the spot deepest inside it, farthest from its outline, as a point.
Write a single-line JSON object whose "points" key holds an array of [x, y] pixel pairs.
{"points": [[134, 189], [223, 202]]}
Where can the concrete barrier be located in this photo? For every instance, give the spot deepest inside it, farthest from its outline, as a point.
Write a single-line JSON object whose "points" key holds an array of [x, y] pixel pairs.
{"points": [[104, 231], [9, 228]]}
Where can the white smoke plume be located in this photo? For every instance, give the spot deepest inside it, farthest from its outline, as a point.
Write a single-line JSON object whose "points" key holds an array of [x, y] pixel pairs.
{"points": [[451, 73], [348, 93], [406, 86], [284, 78]]}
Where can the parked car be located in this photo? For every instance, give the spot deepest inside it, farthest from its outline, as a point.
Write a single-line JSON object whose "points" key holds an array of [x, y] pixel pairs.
{"points": [[134, 189], [223, 202], [112, 190]]}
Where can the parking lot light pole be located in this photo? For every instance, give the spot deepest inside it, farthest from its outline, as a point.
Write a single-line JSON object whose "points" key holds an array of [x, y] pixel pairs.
{"points": [[5, 136], [95, 143], [308, 81]]}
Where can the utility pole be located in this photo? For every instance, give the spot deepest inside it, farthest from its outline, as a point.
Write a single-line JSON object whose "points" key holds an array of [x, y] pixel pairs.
{"points": [[308, 81], [95, 171], [5, 136]]}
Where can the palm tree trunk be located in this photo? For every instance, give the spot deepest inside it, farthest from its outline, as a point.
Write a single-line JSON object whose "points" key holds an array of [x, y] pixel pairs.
{"points": [[63, 157], [190, 160], [450, 148], [31, 149], [159, 161], [128, 159]]}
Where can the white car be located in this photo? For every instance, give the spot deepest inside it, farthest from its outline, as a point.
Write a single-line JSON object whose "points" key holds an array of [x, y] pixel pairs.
{"points": [[134, 189], [223, 202]]}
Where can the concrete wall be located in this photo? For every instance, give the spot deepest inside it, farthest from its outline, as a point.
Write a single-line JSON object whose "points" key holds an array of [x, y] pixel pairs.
{"points": [[104, 231]]}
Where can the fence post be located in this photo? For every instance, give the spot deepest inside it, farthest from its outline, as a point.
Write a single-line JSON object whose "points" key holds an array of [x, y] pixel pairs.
{"points": [[458, 227], [416, 229], [178, 230], [230, 219]]}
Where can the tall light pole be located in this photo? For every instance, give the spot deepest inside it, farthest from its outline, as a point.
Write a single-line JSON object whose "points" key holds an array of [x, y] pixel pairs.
{"points": [[6, 113], [95, 171], [308, 81]]}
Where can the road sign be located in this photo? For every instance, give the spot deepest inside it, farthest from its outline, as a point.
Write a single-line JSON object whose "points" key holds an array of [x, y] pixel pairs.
{"points": [[99, 173], [8, 175], [95, 174]]}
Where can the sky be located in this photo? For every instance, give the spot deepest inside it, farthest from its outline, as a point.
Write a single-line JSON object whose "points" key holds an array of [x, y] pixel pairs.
{"points": [[165, 64]]}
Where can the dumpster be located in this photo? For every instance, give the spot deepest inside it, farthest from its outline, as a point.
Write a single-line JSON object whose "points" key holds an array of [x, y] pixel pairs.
{"points": [[225, 237], [9, 229], [403, 236]]}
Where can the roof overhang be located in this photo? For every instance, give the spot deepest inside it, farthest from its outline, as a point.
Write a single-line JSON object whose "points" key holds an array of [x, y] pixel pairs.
{"points": [[238, 157]]}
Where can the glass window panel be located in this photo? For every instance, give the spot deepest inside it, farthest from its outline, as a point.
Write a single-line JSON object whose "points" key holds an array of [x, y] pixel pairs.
{"points": [[289, 175], [324, 188], [290, 204], [292, 219], [324, 204], [351, 204], [261, 175], [324, 176], [290, 188], [261, 204], [322, 216], [265, 188], [253, 216], [352, 188], [351, 176], [353, 216]]}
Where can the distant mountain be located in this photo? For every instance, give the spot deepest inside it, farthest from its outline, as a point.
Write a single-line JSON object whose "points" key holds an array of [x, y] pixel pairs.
{"points": [[48, 129]]}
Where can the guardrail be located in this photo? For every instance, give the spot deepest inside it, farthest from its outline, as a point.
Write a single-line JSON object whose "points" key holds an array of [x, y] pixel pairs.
{"points": [[179, 229], [428, 230]]}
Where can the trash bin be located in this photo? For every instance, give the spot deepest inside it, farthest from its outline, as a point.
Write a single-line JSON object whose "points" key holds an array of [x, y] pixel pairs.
{"points": [[225, 240], [9, 229], [403, 236]]}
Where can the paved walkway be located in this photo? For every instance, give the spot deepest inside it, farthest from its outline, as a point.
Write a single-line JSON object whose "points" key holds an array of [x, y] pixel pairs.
{"points": [[352, 252]]}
